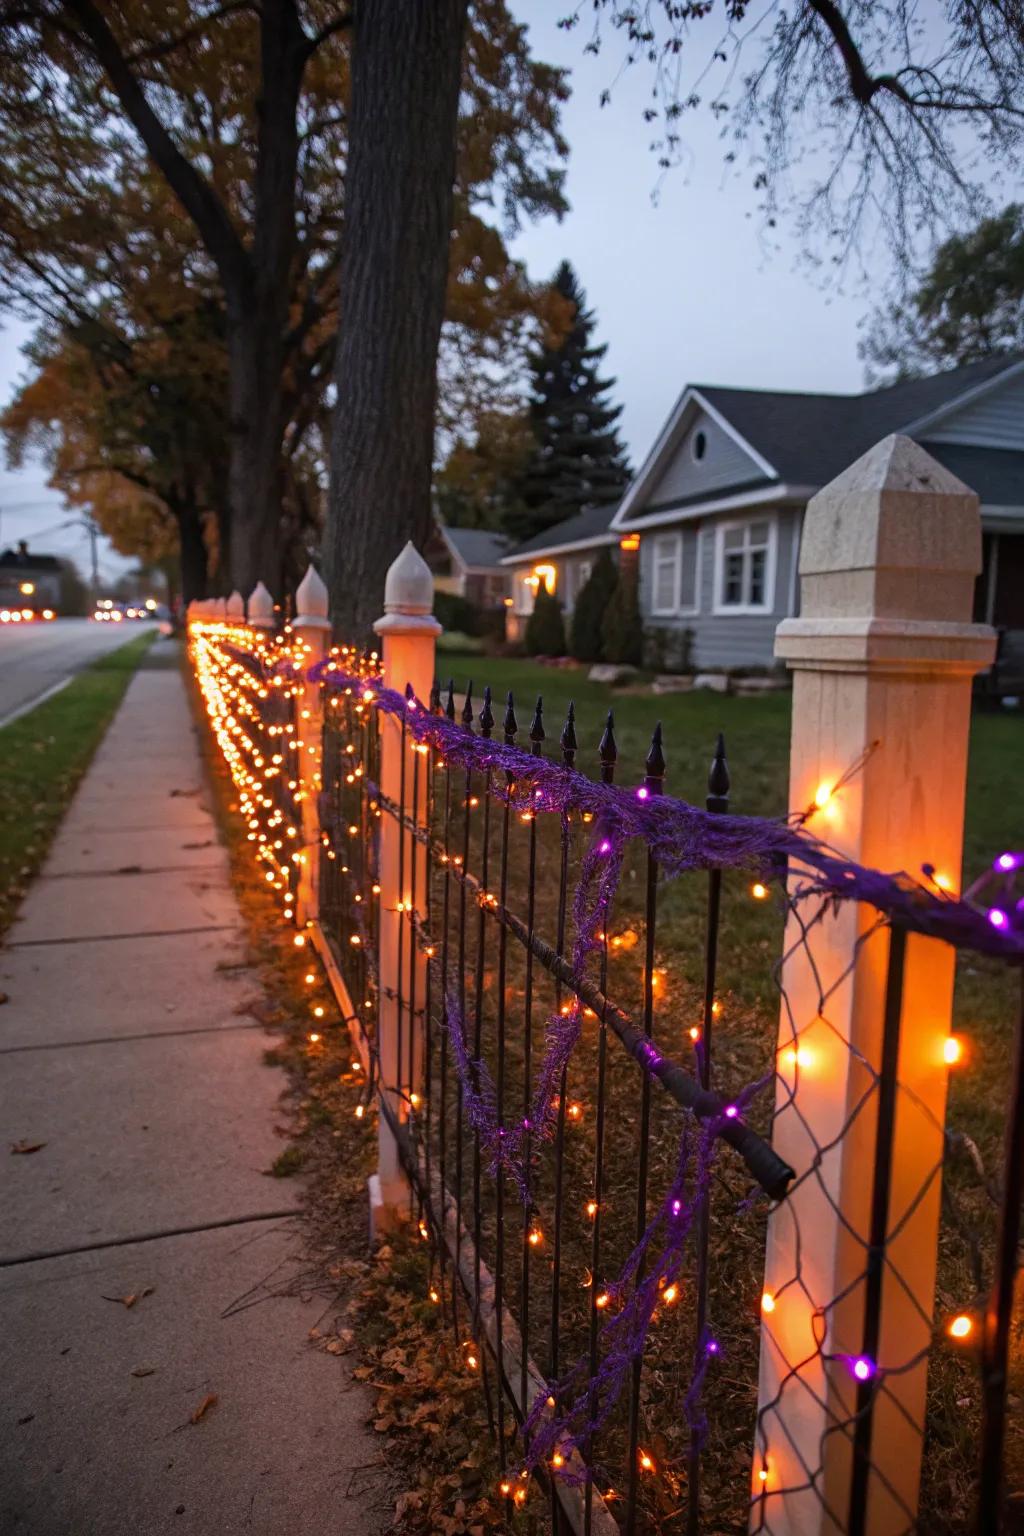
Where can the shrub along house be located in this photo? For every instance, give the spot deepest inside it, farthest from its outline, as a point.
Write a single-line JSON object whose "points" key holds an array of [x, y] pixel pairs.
{"points": [[718, 504]]}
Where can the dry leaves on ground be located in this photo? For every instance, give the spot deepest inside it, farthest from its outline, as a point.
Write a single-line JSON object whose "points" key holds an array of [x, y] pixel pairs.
{"points": [[22, 1148], [209, 1401], [131, 1297]]}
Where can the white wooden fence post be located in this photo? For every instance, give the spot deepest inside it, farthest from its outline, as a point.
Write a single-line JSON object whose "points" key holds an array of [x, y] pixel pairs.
{"points": [[312, 629], [261, 607], [408, 633], [882, 655]]}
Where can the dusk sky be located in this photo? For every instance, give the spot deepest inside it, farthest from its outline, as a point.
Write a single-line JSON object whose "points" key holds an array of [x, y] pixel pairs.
{"points": [[683, 286]]}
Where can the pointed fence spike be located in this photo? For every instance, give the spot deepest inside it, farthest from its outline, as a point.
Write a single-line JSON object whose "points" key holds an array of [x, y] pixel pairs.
{"points": [[718, 778], [435, 697], [467, 708], [568, 738], [511, 724], [655, 765], [450, 709], [537, 727], [607, 749], [486, 715]]}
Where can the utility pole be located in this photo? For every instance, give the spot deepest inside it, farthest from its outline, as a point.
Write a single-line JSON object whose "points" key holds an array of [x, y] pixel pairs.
{"points": [[95, 580]]}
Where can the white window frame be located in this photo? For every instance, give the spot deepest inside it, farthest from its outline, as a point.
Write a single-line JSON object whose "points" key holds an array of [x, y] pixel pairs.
{"points": [[658, 544], [719, 607]]}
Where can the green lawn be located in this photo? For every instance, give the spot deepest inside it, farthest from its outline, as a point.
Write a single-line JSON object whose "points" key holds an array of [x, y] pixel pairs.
{"points": [[42, 757]]}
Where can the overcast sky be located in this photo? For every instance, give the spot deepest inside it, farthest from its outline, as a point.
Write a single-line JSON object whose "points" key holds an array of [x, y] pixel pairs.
{"points": [[682, 286]]}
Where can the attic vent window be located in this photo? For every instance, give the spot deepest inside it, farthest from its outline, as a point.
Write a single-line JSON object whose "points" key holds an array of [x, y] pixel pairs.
{"points": [[699, 445]]}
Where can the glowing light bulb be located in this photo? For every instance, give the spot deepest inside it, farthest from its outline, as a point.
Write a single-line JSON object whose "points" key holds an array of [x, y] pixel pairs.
{"points": [[314, 1038], [299, 940], [1007, 862], [798, 1056], [535, 1237], [767, 1302], [758, 891], [360, 1111], [602, 1301], [694, 1032], [558, 1460], [435, 1298], [822, 795], [591, 1208], [952, 1050], [997, 917], [862, 1368], [944, 882], [646, 1463], [669, 1294]]}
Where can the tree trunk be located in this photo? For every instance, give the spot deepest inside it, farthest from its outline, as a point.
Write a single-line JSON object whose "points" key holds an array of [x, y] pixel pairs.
{"points": [[192, 547], [406, 70], [255, 349]]}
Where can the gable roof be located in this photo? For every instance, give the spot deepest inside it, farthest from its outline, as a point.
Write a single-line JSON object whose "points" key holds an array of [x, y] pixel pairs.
{"points": [[804, 440], [591, 526], [812, 438], [477, 547]]}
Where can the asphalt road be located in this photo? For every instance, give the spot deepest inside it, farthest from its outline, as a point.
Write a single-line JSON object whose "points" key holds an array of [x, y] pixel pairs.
{"points": [[38, 657]]}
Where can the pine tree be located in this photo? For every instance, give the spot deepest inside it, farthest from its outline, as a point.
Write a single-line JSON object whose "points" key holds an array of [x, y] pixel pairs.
{"points": [[577, 459]]}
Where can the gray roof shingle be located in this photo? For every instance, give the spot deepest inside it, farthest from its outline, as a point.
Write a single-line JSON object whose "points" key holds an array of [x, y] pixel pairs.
{"points": [[809, 439], [478, 546], [588, 524]]}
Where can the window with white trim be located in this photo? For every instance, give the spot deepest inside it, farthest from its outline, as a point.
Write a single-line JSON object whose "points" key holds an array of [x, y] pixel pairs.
{"points": [[667, 557], [745, 566]]}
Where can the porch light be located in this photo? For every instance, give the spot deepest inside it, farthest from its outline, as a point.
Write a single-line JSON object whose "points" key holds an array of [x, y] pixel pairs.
{"points": [[546, 574], [630, 543]]}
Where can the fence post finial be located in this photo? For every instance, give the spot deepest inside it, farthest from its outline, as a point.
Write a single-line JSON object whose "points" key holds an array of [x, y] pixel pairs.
{"points": [[408, 631], [311, 602], [261, 607], [882, 656]]}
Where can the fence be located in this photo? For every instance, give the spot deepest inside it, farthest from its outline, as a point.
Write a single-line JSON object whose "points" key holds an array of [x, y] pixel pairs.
{"points": [[594, 1199]]}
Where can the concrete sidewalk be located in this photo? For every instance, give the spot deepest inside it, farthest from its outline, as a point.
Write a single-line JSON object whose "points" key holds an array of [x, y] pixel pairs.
{"points": [[126, 1047]]}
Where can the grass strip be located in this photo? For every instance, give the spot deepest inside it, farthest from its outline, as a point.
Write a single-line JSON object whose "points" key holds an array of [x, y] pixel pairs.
{"points": [[44, 754]]}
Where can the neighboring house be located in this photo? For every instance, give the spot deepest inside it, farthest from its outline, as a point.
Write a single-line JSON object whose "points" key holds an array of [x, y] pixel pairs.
{"points": [[718, 504], [28, 580], [467, 562], [562, 558]]}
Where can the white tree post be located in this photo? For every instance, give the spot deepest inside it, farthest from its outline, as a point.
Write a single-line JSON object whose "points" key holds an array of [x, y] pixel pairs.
{"points": [[236, 607], [408, 632], [882, 657], [261, 608], [312, 629]]}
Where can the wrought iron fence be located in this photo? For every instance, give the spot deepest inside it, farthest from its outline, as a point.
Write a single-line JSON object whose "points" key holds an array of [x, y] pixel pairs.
{"points": [[591, 1176]]}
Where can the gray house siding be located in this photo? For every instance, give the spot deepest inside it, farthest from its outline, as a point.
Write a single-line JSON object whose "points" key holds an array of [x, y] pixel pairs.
{"points": [[724, 464], [705, 640], [994, 421]]}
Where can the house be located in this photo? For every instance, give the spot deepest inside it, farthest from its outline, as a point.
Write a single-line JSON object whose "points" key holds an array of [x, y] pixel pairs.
{"points": [[467, 563], [718, 504], [562, 558], [716, 509], [29, 580]]}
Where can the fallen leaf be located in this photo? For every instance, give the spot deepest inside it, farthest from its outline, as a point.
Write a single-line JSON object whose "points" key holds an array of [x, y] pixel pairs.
{"points": [[144, 1370], [24, 1147], [208, 1402], [27, 1419], [132, 1296], [4, 998]]}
